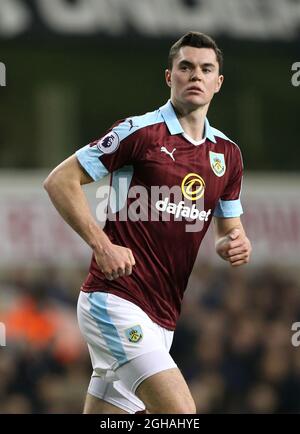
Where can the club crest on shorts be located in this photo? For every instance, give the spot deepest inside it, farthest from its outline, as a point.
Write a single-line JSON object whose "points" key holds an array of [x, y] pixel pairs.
{"points": [[109, 143], [217, 163], [134, 334]]}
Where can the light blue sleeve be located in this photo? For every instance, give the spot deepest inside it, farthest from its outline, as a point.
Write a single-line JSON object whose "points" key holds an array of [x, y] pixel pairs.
{"points": [[228, 208], [88, 157]]}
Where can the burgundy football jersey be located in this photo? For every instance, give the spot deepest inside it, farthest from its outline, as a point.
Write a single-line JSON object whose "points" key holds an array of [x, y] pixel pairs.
{"points": [[165, 188]]}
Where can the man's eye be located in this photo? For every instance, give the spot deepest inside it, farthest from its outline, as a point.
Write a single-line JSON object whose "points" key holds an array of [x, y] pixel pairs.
{"points": [[183, 68], [206, 70]]}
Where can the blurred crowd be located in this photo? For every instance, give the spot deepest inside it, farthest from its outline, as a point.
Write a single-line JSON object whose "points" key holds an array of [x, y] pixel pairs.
{"points": [[233, 341]]}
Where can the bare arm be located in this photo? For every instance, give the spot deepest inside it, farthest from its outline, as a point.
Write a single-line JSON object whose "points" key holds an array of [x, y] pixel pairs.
{"points": [[64, 188], [231, 241]]}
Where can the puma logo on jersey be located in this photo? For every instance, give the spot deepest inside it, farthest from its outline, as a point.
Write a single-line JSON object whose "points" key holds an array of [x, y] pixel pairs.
{"points": [[164, 149], [132, 124]]}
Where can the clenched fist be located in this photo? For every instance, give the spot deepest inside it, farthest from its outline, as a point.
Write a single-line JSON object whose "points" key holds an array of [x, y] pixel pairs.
{"points": [[234, 247], [114, 261]]}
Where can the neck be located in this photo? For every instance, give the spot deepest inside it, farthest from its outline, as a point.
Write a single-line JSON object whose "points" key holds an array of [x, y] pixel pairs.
{"points": [[192, 120]]}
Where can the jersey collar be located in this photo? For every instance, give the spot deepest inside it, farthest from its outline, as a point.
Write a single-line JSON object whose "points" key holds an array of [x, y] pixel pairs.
{"points": [[173, 124]]}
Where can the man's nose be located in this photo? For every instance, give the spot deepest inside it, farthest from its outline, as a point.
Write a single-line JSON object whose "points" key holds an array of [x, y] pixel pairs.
{"points": [[196, 74]]}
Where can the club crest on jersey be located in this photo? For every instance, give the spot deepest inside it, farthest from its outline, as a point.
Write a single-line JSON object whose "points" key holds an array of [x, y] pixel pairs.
{"points": [[109, 143], [134, 334], [217, 163]]}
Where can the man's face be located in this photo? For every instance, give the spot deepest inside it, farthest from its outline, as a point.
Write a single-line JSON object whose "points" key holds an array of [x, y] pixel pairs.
{"points": [[194, 78]]}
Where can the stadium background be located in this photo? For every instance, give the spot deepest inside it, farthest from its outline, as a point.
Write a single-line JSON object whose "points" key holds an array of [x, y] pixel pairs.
{"points": [[72, 69]]}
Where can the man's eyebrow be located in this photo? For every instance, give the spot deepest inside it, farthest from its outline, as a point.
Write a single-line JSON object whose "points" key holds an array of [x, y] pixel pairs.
{"points": [[188, 63]]}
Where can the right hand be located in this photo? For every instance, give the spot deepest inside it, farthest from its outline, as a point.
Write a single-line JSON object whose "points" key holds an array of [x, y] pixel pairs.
{"points": [[114, 261]]}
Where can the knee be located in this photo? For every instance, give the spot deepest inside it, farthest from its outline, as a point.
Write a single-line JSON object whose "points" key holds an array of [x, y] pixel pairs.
{"points": [[187, 408]]}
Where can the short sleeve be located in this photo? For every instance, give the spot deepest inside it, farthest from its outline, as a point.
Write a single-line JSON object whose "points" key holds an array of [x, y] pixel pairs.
{"points": [[229, 205], [117, 148]]}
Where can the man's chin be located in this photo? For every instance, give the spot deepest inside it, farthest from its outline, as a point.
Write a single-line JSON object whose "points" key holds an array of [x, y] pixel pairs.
{"points": [[195, 102]]}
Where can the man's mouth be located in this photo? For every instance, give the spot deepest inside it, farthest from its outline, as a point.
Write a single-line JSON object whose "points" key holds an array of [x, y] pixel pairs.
{"points": [[194, 89]]}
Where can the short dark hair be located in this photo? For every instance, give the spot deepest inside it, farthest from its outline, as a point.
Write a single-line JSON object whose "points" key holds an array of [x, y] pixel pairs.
{"points": [[198, 40]]}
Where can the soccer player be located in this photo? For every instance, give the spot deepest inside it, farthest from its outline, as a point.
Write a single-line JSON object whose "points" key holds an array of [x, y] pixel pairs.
{"points": [[176, 173]]}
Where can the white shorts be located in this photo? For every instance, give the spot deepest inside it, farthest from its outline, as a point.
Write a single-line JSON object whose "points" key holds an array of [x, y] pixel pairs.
{"points": [[125, 346]]}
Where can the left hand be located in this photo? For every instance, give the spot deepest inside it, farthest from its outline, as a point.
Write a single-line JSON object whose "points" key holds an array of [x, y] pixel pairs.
{"points": [[234, 247]]}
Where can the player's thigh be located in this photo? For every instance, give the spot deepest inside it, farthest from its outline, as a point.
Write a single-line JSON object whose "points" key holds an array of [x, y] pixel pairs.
{"points": [[114, 393], [95, 405], [166, 392]]}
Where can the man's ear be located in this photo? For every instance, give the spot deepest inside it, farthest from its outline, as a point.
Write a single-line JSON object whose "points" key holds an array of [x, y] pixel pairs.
{"points": [[168, 77], [219, 83]]}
